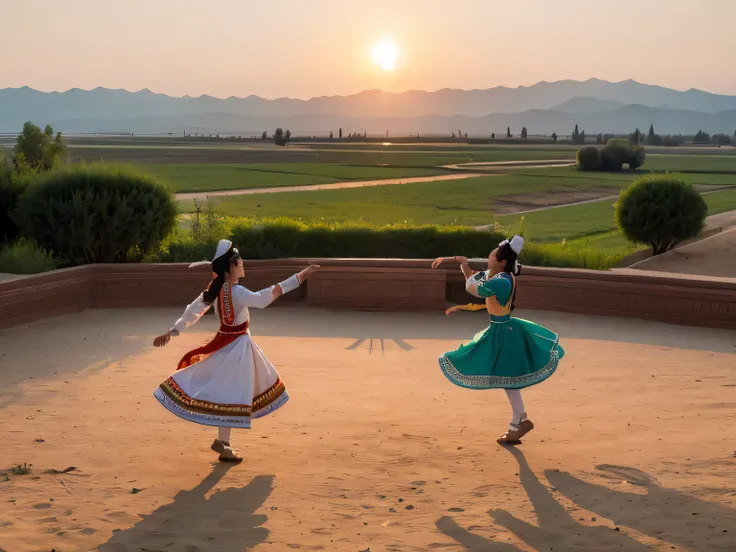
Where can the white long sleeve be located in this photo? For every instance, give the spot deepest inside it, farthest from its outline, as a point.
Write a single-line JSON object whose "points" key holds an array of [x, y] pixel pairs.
{"points": [[290, 284], [253, 299], [191, 315]]}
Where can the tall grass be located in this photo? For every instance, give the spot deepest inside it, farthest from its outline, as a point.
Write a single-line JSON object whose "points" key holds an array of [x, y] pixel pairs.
{"points": [[24, 257]]}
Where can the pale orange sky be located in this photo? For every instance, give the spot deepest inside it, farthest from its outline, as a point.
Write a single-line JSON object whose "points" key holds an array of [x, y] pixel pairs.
{"points": [[304, 48]]}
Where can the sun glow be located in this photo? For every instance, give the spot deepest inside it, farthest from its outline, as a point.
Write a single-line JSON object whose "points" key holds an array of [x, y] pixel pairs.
{"points": [[385, 54]]}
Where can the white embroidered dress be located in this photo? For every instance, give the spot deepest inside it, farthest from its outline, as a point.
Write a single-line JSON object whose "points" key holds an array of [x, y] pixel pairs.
{"points": [[228, 381]]}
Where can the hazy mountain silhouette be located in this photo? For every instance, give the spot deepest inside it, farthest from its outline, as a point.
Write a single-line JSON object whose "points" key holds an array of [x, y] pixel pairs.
{"points": [[596, 105], [588, 105]]}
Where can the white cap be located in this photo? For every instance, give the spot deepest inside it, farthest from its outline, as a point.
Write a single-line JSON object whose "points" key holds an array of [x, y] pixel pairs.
{"points": [[222, 248]]}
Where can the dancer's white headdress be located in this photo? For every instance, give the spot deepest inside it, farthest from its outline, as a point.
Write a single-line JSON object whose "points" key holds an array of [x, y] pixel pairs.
{"points": [[224, 247], [516, 244]]}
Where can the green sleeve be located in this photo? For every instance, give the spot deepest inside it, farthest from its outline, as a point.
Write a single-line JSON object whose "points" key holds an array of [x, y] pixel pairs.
{"points": [[500, 288]]}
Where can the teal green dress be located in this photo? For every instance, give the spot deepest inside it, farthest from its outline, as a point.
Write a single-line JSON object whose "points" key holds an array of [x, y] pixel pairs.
{"points": [[511, 353]]}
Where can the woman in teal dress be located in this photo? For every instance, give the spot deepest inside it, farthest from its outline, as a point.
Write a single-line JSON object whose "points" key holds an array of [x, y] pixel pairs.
{"points": [[511, 353]]}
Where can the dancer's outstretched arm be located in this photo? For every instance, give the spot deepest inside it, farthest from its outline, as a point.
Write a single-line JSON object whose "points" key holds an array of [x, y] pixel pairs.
{"points": [[464, 266], [468, 307], [262, 299], [194, 311]]}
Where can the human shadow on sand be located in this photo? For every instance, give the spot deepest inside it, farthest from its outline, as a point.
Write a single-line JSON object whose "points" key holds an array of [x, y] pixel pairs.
{"points": [[194, 522], [557, 529]]}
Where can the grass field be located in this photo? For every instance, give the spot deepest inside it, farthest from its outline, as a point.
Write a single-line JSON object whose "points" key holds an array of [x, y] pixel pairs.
{"points": [[475, 201], [212, 177], [467, 202], [371, 155], [593, 222], [691, 163]]}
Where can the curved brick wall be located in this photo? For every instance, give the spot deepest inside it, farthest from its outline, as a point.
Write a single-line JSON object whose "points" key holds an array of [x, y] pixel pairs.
{"points": [[376, 284]]}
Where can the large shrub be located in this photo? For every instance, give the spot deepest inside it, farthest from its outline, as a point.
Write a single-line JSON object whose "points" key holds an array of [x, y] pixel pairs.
{"points": [[11, 188], [588, 159], [617, 153], [660, 211], [96, 214]]}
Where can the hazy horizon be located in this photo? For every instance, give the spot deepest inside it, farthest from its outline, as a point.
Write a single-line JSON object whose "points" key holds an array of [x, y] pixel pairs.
{"points": [[226, 48]]}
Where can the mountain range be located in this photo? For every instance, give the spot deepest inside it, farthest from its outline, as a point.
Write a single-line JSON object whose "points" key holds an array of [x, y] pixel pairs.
{"points": [[594, 105]]}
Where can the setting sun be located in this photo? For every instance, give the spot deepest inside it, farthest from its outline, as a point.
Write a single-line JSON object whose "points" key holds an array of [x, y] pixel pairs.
{"points": [[385, 54]]}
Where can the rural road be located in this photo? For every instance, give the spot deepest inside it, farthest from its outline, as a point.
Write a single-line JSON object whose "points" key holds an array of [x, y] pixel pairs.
{"points": [[477, 168]]}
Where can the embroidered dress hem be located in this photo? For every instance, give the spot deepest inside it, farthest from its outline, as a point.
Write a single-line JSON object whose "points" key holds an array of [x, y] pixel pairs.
{"points": [[173, 399], [511, 353]]}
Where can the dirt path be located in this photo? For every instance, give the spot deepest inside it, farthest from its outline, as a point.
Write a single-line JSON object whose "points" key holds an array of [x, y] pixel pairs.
{"points": [[334, 186], [475, 173]]}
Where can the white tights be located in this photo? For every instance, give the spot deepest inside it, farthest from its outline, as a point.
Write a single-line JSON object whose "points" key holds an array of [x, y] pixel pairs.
{"points": [[517, 406], [223, 434], [514, 395]]}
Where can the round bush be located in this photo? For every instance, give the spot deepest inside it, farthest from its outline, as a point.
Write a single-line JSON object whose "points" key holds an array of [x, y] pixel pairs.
{"points": [[588, 159], [660, 211], [614, 155], [636, 157], [96, 214]]}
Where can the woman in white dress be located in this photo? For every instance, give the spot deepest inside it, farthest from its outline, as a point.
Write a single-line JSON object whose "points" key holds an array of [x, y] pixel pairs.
{"points": [[228, 381]]}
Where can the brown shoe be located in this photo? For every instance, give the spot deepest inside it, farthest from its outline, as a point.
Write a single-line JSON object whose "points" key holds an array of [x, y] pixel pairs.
{"points": [[226, 453], [513, 435]]}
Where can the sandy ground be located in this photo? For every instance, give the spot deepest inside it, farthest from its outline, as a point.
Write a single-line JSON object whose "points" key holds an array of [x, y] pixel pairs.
{"points": [[713, 256], [633, 449]]}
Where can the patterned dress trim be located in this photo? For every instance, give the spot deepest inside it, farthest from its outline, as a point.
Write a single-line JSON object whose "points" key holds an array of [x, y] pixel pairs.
{"points": [[505, 382]]}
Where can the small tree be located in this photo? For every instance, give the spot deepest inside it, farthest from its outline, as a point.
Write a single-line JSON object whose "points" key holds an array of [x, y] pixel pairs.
{"points": [[36, 150], [264, 136], [701, 138], [575, 135], [660, 211], [721, 139], [554, 136], [493, 135], [287, 136], [278, 137], [508, 132], [523, 132]]}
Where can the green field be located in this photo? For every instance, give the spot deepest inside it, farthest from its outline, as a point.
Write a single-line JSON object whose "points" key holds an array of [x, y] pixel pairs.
{"points": [[593, 221], [466, 202], [208, 177], [691, 163]]}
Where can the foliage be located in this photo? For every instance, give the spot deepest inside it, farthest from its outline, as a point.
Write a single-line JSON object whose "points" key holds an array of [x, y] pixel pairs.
{"points": [[637, 137], [721, 139], [278, 137], [96, 214], [11, 189], [577, 136], [508, 133], [660, 211], [588, 159], [617, 153], [701, 138], [554, 136], [283, 238], [36, 150], [523, 132], [612, 157], [673, 140], [23, 257], [654, 139]]}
